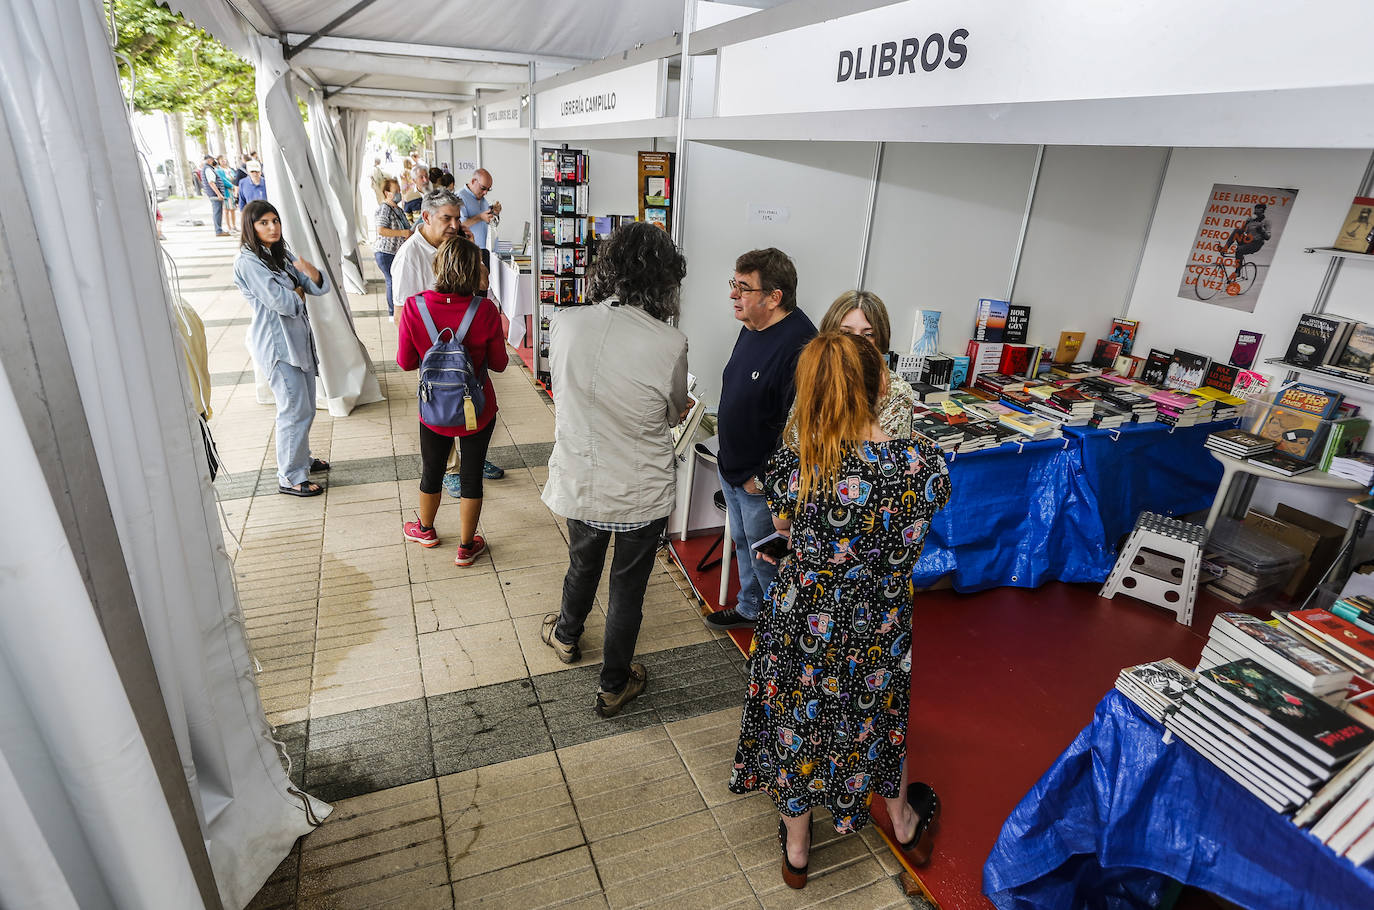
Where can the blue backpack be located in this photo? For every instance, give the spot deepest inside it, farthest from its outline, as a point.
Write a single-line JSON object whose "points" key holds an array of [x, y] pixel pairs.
{"points": [[450, 389]]}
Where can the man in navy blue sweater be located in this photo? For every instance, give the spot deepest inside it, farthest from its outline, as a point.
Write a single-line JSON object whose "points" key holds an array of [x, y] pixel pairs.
{"points": [[756, 394]]}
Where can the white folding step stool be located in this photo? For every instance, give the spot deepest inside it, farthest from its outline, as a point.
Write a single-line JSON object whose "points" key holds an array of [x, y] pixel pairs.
{"points": [[1160, 564]]}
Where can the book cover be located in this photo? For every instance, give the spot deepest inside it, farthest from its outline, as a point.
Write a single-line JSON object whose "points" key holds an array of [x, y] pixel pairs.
{"points": [[1123, 331], [1250, 384], [1069, 345], [548, 229], [1222, 377], [567, 166], [927, 340], [548, 198], [1186, 370], [567, 291], [936, 370], [1358, 353], [657, 217], [567, 199], [1018, 323], [1357, 233], [1345, 438], [565, 260], [991, 323], [958, 373], [1282, 463], [1312, 340], [1346, 636], [548, 289], [1310, 399], [1303, 719], [983, 358], [1246, 349], [548, 167], [1156, 368], [1105, 354], [1016, 360]]}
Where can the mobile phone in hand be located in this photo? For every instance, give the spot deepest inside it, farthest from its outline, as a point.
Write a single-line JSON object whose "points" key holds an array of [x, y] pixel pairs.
{"points": [[776, 545]]}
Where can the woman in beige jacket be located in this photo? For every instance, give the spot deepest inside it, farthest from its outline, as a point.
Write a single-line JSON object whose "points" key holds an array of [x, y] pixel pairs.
{"points": [[619, 375]]}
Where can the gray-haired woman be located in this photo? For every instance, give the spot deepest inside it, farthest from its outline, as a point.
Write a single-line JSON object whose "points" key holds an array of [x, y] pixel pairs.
{"points": [[619, 372]]}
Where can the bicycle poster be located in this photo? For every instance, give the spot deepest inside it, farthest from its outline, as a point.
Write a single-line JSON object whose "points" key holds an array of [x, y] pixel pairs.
{"points": [[1235, 243]]}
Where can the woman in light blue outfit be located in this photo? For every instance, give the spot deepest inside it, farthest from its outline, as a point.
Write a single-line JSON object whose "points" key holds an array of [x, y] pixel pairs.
{"points": [[280, 339]]}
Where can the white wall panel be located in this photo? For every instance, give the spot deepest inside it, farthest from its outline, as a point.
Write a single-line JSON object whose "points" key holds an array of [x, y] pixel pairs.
{"points": [[508, 160], [823, 186], [944, 231], [1087, 228]]}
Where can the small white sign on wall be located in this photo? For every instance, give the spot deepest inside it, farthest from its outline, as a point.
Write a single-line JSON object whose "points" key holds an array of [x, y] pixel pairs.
{"points": [[760, 213], [461, 168], [502, 116]]}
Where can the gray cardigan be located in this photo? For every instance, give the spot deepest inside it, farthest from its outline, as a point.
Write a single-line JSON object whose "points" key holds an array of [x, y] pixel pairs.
{"points": [[619, 383]]}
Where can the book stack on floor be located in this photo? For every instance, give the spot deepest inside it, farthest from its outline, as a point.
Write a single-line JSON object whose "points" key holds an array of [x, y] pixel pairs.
{"points": [[1358, 467], [1247, 566], [1155, 687], [1276, 740], [1238, 443]]}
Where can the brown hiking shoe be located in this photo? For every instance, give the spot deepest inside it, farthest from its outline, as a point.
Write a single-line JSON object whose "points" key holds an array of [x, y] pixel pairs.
{"points": [[609, 704], [569, 654]]}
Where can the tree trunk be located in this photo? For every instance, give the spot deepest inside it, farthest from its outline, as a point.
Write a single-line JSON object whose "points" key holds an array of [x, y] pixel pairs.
{"points": [[213, 143], [183, 172], [253, 137], [238, 140]]}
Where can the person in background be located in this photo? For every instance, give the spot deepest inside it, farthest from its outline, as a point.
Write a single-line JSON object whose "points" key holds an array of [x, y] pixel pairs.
{"points": [[445, 182], [393, 228], [619, 371], [209, 179], [280, 340], [195, 179], [378, 175], [227, 186], [412, 272], [458, 275], [478, 213], [413, 203], [434, 175], [253, 186], [827, 702], [756, 394], [863, 313]]}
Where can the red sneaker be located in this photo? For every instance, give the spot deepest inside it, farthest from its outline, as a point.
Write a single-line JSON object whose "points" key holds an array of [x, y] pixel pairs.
{"points": [[425, 537], [468, 555]]}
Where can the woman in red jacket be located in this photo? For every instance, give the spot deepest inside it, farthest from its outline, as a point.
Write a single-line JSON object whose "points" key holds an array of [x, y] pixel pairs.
{"points": [[458, 275]]}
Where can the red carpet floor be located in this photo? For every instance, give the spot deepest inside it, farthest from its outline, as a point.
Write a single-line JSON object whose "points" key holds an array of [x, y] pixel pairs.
{"points": [[1002, 682]]}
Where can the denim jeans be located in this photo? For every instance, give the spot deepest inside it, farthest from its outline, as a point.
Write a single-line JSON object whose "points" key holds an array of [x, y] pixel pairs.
{"points": [[294, 390], [750, 521], [217, 212], [384, 263], [631, 566]]}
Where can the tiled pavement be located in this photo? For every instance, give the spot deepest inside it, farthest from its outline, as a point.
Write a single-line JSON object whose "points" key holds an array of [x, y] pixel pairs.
{"points": [[463, 760]]}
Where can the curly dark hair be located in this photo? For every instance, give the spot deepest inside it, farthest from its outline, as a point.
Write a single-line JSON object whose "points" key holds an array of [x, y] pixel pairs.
{"points": [[640, 266]]}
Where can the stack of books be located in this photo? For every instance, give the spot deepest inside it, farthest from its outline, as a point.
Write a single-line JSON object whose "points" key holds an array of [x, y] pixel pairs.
{"points": [[1236, 636], [1357, 609], [978, 435], [946, 437], [1267, 734], [1283, 464], [1107, 416], [1142, 409], [1341, 813], [1074, 371], [1225, 405], [1156, 687], [1358, 467], [1177, 409], [1031, 425], [929, 394], [1337, 637], [997, 383], [1238, 443], [1069, 407]]}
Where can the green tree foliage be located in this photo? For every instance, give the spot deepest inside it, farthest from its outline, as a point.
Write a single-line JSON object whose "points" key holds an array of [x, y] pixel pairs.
{"points": [[180, 68]]}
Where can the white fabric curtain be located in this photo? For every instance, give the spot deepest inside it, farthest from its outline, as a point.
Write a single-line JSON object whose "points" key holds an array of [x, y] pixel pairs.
{"points": [[301, 196], [88, 809], [327, 154], [352, 125]]}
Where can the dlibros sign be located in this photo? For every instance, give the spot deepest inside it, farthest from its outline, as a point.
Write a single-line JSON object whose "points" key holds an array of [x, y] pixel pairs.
{"points": [[892, 58]]}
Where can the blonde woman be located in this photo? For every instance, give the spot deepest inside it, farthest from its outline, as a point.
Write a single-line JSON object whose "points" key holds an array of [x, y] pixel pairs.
{"points": [[863, 313]]}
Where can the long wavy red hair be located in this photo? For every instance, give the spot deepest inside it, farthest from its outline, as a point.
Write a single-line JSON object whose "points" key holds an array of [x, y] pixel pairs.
{"points": [[839, 381]]}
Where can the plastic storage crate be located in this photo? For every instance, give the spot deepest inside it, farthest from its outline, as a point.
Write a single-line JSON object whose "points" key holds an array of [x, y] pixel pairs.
{"points": [[1247, 566]]}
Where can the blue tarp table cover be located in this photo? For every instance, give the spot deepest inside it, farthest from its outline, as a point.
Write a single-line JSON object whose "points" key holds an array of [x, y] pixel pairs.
{"points": [[1147, 466], [1018, 516], [1120, 810]]}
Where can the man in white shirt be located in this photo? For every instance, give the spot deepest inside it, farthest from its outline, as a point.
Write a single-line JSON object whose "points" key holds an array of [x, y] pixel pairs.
{"points": [[412, 273]]}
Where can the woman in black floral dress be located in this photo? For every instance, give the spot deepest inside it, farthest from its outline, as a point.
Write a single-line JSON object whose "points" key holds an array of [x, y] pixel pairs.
{"points": [[825, 715]]}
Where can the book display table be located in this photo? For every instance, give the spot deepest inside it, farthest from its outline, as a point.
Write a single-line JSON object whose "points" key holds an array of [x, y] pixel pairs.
{"points": [[1120, 812], [1054, 510]]}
